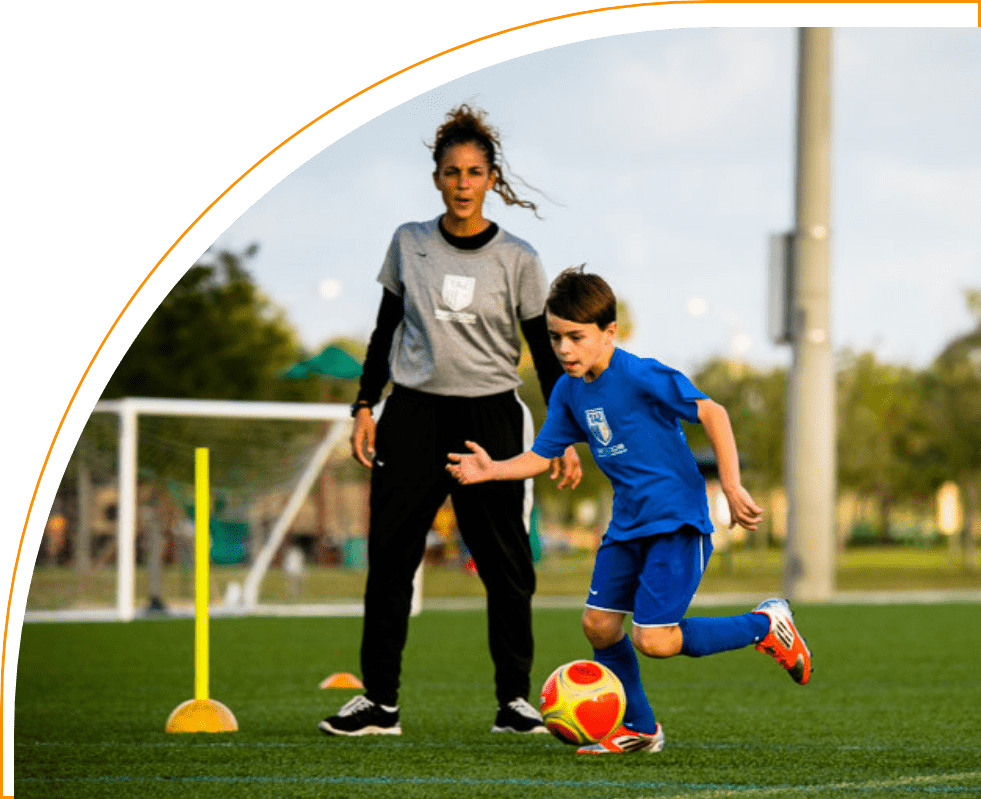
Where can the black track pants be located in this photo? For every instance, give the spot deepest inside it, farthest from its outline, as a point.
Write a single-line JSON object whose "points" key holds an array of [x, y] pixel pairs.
{"points": [[409, 482]]}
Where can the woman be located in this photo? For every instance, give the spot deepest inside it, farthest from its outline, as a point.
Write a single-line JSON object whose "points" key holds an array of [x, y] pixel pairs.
{"points": [[458, 291]]}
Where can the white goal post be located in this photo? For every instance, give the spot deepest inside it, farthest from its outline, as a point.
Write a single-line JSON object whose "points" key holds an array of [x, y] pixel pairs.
{"points": [[128, 411]]}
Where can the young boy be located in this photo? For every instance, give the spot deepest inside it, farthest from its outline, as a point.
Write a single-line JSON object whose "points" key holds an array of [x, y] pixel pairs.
{"points": [[654, 552]]}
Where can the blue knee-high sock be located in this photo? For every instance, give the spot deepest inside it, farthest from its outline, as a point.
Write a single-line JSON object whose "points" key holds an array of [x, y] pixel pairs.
{"points": [[708, 635], [622, 661]]}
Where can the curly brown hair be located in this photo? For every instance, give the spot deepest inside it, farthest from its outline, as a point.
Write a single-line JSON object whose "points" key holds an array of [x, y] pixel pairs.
{"points": [[466, 125]]}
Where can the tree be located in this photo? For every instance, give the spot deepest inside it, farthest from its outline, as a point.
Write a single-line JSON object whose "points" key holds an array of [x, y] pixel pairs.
{"points": [[885, 441], [756, 403], [954, 391], [215, 336]]}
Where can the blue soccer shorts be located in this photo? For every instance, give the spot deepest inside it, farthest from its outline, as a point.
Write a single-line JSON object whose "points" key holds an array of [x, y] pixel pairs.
{"points": [[654, 577]]}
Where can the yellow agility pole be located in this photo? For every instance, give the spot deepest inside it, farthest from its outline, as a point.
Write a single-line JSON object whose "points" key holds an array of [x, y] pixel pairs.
{"points": [[201, 714], [202, 565]]}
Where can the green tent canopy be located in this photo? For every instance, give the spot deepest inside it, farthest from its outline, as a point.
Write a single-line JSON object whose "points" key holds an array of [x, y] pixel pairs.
{"points": [[332, 362]]}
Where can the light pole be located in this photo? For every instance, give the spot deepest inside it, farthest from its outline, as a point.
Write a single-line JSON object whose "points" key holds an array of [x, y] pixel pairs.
{"points": [[810, 463]]}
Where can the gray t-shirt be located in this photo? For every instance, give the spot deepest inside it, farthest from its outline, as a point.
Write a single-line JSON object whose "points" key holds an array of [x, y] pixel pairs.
{"points": [[459, 335]]}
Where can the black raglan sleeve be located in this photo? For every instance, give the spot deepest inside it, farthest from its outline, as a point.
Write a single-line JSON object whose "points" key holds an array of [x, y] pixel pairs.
{"points": [[375, 372], [546, 364]]}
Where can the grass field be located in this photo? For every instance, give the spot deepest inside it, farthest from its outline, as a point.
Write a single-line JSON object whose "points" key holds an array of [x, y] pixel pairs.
{"points": [[893, 709]]}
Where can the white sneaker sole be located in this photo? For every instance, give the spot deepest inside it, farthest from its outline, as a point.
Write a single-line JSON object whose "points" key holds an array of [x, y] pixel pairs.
{"points": [[533, 731], [327, 729]]}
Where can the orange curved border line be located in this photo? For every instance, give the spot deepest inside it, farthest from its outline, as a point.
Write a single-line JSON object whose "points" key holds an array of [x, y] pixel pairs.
{"points": [[251, 169]]}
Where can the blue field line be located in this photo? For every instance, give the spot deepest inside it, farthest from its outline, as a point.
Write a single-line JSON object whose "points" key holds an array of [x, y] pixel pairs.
{"points": [[918, 784]]}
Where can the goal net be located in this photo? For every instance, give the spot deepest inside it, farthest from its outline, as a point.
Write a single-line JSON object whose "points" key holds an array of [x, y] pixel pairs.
{"points": [[288, 514]]}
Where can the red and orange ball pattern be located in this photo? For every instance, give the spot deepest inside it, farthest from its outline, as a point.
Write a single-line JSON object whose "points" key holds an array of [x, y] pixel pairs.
{"points": [[582, 702]]}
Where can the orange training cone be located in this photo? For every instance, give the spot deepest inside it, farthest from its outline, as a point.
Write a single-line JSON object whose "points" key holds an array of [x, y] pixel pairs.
{"points": [[342, 679]]}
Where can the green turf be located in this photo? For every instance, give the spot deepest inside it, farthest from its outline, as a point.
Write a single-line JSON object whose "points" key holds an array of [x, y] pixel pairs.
{"points": [[892, 710]]}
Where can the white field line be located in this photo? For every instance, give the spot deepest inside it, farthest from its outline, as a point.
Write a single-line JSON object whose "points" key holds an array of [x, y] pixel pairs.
{"points": [[544, 602], [750, 791]]}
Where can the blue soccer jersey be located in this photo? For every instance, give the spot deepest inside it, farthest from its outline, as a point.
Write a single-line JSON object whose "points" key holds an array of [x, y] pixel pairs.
{"points": [[630, 415]]}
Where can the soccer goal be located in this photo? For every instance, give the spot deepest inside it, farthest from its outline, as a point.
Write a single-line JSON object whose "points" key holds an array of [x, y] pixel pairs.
{"points": [[288, 514]]}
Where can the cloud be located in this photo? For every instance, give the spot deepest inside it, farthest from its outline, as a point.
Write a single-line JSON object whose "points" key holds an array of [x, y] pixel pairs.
{"points": [[903, 302], [911, 94], [725, 91], [946, 195]]}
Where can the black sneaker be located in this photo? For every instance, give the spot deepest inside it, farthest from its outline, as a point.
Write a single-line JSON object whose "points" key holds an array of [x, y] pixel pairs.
{"points": [[361, 716], [518, 716]]}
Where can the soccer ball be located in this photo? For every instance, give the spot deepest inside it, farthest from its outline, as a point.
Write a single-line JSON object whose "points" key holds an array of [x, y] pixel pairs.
{"points": [[582, 702]]}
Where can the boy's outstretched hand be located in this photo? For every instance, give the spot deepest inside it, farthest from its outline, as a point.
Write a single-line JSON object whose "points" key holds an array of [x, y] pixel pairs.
{"points": [[469, 469], [567, 469], [742, 510]]}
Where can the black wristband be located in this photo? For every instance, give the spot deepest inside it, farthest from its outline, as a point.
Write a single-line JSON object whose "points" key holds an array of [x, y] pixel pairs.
{"points": [[357, 406]]}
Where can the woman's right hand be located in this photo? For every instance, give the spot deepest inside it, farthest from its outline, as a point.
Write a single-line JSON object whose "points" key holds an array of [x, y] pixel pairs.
{"points": [[363, 437]]}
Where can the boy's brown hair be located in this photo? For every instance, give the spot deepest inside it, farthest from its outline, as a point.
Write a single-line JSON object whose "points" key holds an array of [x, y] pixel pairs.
{"points": [[580, 297]]}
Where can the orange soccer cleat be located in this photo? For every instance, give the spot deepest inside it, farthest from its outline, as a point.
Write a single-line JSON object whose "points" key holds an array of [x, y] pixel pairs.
{"points": [[783, 642], [624, 740]]}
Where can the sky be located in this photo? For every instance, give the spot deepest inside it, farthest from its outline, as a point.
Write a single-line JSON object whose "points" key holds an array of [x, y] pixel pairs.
{"points": [[664, 160]]}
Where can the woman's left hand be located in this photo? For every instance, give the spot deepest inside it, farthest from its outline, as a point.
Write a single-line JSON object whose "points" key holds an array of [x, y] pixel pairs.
{"points": [[568, 467]]}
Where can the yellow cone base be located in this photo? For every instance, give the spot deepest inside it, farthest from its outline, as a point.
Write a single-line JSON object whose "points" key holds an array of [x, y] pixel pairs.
{"points": [[201, 715], [342, 679]]}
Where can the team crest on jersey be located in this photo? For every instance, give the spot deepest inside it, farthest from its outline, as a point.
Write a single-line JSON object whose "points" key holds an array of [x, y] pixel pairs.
{"points": [[600, 428], [458, 291]]}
